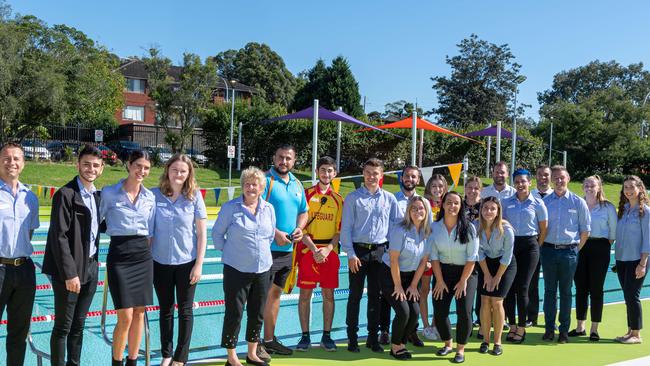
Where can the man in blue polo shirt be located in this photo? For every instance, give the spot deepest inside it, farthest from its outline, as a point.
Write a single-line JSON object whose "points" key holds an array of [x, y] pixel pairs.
{"points": [[18, 220], [569, 223], [287, 196]]}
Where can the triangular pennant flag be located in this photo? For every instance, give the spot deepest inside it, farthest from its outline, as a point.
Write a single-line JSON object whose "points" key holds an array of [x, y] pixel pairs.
{"points": [[217, 193], [357, 182], [336, 184], [203, 192], [454, 170], [399, 179], [231, 192], [39, 189], [381, 181], [52, 190], [427, 172]]}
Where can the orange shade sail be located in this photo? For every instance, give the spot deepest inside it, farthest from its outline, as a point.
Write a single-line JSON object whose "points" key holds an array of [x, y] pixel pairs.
{"points": [[421, 124]]}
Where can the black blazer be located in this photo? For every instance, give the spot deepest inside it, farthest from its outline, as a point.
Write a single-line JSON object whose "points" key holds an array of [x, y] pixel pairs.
{"points": [[67, 248]]}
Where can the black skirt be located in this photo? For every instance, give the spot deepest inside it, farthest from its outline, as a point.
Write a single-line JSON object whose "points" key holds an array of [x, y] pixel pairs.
{"points": [[130, 271], [507, 279]]}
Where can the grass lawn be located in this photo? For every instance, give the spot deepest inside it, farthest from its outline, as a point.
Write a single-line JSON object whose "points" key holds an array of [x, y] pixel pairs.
{"points": [[532, 352], [58, 174]]}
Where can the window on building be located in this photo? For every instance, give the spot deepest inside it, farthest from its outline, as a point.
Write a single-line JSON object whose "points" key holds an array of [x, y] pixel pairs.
{"points": [[133, 113], [135, 85]]}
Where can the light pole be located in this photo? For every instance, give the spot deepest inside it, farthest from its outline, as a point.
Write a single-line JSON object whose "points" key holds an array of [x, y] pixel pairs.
{"points": [[232, 123], [518, 80], [643, 120]]}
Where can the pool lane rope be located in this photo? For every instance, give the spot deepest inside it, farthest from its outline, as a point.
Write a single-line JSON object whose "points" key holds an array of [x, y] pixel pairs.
{"points": [[195, 305]]}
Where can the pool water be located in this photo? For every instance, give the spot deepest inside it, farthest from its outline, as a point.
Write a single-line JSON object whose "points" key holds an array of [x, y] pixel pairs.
{"points": [[208, 321]]}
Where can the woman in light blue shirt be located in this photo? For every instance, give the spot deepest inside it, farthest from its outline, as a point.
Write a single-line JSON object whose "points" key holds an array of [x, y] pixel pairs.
{"points": [[454, 253], [593, 258], [631, 250], [178, 248], [498, 270], [404, 264], [244, 231], [128, 208]]}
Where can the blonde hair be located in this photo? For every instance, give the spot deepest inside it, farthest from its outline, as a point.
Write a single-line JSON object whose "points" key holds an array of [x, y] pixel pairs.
{"points": [[643, 196], [498, 222], [600, 195], [189, 186], [252, 172], [407, 223]]}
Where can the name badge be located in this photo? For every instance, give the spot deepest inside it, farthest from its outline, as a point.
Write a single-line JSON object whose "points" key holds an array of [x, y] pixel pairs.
{"points": [[120, 204], [573, 211], [4, 206], [512, 206], [161, 204], [238, 214]]}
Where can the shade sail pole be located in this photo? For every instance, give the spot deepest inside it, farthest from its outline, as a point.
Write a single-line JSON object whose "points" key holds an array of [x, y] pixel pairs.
{"points": [[487, 159], [314, 139], [338, 143], [421, 152], [414, 137], [498, 152]]}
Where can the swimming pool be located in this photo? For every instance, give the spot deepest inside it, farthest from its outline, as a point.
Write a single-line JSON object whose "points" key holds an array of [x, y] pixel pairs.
{"points": [[208, 316]]}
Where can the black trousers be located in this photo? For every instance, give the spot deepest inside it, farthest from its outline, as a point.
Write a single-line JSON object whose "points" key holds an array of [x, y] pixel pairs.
{"points": [[631, 292], [384, 314], [70, 317], [407, 312], [17, 290], [593, 262], [243, 288], [451, 275], [533, 295], [168, 279], [371, 267], [526, 253]]}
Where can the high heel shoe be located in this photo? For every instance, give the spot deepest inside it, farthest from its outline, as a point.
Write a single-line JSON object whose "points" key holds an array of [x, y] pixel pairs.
{"points": [[256, 363], [519, 339]]}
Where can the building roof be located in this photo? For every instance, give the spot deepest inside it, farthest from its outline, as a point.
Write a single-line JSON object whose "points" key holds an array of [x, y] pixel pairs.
{"points": [[134, 68]]}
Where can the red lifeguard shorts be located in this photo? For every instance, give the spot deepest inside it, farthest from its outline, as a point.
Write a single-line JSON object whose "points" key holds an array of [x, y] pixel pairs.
{"points": [[310, 273]]}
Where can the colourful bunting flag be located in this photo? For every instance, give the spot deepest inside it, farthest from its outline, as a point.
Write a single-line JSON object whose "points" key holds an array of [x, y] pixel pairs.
{"points": [[52, 190], [381, 181], [454, 171], [357, 182], [399, 179], [217, 192], [203, 192], [39, 189], [231, 192], [336, 184]]}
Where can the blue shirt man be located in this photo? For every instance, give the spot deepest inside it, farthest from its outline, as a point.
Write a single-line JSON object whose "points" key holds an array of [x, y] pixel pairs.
{"points": [[569, 224], [18, 220]]}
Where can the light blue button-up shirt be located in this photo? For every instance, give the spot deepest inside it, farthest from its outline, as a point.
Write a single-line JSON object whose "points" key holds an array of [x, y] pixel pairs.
{"points": [[367, 218], [568, 216], [174, 235], [506, 192], [18, 216], [603, 221], [446, 248], [403, 201], [245, 239], [89, 200], [288, 200], [497, 245], [123, 218], [632, 234], [524, 216], [539, 194], [411, 244]]}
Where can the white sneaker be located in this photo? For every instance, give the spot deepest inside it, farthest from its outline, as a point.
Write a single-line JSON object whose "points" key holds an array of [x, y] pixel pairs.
{"points": [[431, 333]]}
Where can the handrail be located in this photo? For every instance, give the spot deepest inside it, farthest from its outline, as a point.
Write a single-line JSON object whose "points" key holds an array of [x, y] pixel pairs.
{"points": [[40, 355], [107, 340]]}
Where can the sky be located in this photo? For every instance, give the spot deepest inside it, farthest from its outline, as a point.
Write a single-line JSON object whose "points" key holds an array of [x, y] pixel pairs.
{"points": [[393, 47]]}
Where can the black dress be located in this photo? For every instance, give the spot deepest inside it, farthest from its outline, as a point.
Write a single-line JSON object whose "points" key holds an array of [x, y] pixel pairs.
{"points": [[130, 271]]}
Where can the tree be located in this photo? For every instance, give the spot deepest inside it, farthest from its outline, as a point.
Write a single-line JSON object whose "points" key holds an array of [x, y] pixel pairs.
{"points": [[400, 109], [259, 66], [333, 86], [483, 80], [52, 75], [180, 103]]}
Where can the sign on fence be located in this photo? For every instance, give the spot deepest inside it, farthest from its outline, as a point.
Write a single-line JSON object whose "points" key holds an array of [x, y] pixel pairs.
{"points": [[99, 135]]}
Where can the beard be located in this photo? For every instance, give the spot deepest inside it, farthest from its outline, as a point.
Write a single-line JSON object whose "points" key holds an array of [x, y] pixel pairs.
{"points": [[408, 186]]}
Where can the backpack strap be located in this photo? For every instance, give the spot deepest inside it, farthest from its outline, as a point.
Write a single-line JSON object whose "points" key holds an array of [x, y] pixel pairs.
{"points": [[268, 191]]}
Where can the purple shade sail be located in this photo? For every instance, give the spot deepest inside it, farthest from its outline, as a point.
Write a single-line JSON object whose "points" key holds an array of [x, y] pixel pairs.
{"points": [[492, 131]]}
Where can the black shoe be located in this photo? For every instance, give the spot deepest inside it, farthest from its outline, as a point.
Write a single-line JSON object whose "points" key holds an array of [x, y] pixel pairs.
{"points": [[519, 339], [594, 337], [444, 351], [459, 358], [262, 354], [476, 324], [497, 350], [384, 339], [402, 354], [256, 363], [506, 327], [375, 347], [118, 363], [563, 338], [530, 323], [304, 344], [353, 347], [415, 340], [479, 335], [548, 336], [511, 335], [275, 347], [484, 347], [575, 333], [131, 362], [327, 343]]}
